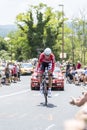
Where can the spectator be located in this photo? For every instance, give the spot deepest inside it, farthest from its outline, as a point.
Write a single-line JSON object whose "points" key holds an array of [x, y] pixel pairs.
{"points": [[79, 101], [7, 74], [70, 77], [15, 73], [82, 115], [74, 124], [74, 66], [58, 64], [85, 75], [18, 71], [78, 66], [67, 68]]}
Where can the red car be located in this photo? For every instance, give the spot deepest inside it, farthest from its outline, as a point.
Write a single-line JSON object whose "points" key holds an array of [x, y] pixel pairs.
{"points": [[57, 82]]}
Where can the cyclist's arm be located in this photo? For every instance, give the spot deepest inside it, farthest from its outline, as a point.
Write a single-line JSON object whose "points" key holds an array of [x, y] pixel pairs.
{"points": [[53, 63], [39, 61]]}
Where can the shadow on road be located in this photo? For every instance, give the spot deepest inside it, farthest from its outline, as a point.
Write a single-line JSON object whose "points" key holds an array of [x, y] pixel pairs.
{"points": [[49, 105]]}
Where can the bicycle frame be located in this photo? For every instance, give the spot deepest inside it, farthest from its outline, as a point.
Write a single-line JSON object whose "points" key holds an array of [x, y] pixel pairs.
{"points": [[45, 91]]}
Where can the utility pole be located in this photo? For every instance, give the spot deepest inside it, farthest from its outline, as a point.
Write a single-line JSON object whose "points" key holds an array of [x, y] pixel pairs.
{"points": [[62, 30], [72, 44]]}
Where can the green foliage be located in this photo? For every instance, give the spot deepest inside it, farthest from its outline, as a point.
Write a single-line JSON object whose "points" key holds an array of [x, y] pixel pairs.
{"points": [[3, 45], [3, 49], [4, 55], [41, 27], [44, 31]]}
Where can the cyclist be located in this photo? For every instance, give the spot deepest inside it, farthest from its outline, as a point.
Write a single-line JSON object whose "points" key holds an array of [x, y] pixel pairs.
{"points": [[46, 59]]}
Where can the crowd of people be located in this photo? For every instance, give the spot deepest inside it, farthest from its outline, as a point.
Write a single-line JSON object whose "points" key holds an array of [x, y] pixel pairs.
{"points": [[77, 75], [10, 73]]}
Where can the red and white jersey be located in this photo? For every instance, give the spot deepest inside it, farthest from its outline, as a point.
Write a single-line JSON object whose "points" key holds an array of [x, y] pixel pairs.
{"points": [[50, 59]]}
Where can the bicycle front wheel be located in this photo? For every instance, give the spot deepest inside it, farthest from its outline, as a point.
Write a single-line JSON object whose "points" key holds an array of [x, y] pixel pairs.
{"points": [[45, 93]]}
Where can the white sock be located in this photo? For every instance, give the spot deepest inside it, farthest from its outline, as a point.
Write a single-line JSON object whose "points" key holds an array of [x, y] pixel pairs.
{"points": [[49, 88], [41, 86]]}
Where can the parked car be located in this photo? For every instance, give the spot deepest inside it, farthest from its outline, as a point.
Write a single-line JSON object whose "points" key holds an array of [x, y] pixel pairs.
{"points": [[26, 68], [57, 80]]}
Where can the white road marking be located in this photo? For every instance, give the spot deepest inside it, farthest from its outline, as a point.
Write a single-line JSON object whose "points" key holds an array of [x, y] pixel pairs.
{"points": [[49, 127], [54, 95], [38, 94], [57, 94], [15, 93]]}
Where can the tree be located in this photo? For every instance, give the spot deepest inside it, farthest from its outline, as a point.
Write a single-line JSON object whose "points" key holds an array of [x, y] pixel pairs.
{"points": [[43, 31]]}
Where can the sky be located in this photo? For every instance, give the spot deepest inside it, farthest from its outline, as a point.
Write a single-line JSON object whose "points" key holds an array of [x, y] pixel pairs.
{"points": [[9, 9]]}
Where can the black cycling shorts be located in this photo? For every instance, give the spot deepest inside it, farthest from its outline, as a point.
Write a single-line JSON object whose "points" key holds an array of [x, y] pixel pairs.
{"points": [[44, 65]]}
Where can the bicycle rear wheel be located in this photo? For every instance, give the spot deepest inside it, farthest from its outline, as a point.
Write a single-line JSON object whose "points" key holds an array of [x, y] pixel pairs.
{"points": [[45, 93]]}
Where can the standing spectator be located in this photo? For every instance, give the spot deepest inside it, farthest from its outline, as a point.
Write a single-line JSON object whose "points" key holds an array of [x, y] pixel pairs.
{"points": [[15, 73], [18, 72], [78, 66], [67, 68], [74, 66], [58, 64], [7, 74]]}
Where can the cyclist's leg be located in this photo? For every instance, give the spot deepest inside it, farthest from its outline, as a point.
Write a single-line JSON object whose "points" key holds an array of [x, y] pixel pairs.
{"points": [[42, 69], [50, 74], [50, 79], [50, 84]]}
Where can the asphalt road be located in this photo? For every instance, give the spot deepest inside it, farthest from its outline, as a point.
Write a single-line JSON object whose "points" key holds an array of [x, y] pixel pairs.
{"points": [[23, 109]]}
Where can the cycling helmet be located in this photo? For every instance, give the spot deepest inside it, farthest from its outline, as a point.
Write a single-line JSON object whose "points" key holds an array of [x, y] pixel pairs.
{"points": [[47, 51]]}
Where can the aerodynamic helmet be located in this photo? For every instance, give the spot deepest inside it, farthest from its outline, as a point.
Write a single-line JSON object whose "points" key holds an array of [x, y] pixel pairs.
{"points": [[47, 51]]}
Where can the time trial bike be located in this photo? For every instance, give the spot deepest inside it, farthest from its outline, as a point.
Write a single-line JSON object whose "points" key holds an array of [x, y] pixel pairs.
{"points": [[44, 84]]}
